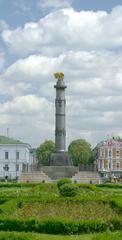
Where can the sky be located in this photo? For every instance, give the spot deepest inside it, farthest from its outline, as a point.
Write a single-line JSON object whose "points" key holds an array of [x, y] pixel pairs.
{"points": [[82, 39]]}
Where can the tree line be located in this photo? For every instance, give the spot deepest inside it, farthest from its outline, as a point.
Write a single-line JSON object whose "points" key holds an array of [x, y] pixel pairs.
{"points": [[79, 150]]}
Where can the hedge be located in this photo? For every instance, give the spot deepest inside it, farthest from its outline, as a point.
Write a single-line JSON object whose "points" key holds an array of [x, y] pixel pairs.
{"points": [[62, 226], [63, 181], [68, 190], [116, 203], [87, 186], [11, 185], [3, 200], [110, 185]]}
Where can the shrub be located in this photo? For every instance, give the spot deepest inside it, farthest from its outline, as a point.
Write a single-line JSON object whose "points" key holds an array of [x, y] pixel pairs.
{"points": [[116, 203], [60, 226], [68, 190], [3, 200], [87, 186], [1, 211], [110, 185], [19, 204], [63, 181], [18, 185]]}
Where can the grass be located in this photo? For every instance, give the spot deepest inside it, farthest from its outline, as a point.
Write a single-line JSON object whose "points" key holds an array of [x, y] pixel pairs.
{"points": [[32, 236], [41, 201], [70, 210]]}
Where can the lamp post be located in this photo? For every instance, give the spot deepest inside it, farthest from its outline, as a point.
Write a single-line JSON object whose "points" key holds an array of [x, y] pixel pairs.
{"points": [[6, 169], [110, 161]]}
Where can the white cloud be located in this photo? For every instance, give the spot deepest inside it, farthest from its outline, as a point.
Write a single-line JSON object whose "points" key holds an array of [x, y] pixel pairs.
{"points": [[32, 67], [54, 4], [31, 75], [86, 46], [87, 73], [93, 95], [67, 29], [26, 116], [29, 104]]}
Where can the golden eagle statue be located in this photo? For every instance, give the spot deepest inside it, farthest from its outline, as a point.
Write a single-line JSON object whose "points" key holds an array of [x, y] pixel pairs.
{"points": [[59, 75]]}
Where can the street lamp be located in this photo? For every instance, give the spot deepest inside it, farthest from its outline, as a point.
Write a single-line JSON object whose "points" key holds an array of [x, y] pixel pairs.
{"points": [[6, 169], [110, 161]]}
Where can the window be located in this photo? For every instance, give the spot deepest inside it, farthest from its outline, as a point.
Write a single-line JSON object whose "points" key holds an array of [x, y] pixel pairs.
{"points": [[117, 153], [102, 153], [17, 167], [110, 165], [118, 165], [17, 155], [109, 152], [6, 155], [6, 167], [101, 164]]}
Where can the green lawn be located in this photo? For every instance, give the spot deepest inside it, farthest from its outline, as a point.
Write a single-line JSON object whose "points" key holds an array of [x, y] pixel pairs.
{"points": [[39, 202], [32, 236], [70, 210], [43, 200]]}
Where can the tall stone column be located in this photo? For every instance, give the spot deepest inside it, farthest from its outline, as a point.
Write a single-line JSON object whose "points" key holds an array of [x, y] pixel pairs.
{"points": [[60, 157], [60, 126]]}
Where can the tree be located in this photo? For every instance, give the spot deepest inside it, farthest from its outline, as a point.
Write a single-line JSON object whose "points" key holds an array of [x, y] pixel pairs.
{"points": [[80, 152], [44, 150]]}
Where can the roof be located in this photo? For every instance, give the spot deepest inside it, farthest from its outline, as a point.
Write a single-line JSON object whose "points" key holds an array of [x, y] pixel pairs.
{"points": [[110, 143], [7, 140]]}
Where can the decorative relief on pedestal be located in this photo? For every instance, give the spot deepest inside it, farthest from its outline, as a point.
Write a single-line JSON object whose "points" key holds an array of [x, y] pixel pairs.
{"points": [[60, 132], [60, 102]]}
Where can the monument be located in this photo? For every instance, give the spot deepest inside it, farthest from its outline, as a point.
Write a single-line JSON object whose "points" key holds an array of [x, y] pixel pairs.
{"points": [[60, 164], [60, 157]]}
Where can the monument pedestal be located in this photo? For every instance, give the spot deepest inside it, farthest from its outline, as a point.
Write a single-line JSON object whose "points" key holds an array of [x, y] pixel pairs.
{"points": [[58, 172], [60, 159]]}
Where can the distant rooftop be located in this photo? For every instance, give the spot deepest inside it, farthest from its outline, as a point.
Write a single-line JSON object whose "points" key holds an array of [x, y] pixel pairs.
{"points": [[7, 140]]}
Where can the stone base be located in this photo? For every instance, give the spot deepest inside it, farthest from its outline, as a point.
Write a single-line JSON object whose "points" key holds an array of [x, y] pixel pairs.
{"points": [[58, 172], [60, 159]]}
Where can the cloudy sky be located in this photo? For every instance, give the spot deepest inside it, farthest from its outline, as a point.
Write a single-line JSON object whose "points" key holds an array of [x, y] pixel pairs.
{"points": [[83, 39]]}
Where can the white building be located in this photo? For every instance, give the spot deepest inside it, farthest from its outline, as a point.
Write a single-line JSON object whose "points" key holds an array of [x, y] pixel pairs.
{"points": [[14, 156]]}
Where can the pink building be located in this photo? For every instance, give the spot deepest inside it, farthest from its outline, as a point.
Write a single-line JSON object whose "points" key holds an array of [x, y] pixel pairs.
{"points": [[108, 157]]}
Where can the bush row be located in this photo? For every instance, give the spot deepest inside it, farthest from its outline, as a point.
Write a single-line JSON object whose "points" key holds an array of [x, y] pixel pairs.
{"points": [[87, 186], [66, 188], [13, 184], [110, 185], [60, 183], [63, 181], [56, 226]]}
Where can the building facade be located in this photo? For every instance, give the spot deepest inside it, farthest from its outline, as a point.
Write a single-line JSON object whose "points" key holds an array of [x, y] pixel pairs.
{"points": [[14, 156], [108, 158]]}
